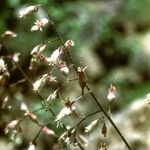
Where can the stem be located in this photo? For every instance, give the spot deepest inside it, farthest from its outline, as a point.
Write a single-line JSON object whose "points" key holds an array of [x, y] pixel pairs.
{"points": [[87, 117]]}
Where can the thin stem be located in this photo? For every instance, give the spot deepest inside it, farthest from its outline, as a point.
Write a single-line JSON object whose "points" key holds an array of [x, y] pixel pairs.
{"points": [[87, 117], [37, 135]]}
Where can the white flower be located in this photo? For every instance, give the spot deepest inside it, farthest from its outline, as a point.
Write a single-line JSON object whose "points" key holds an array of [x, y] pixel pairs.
{"points": [[112, 93], [11, 125], [28, 11], [39, 24], [91, 126], [16, 57], [69, 44], [9, 34], [63, 68], [3, 66], [38, 49], [39, 84], [65, 112], [56, 55], [48, 131], [31, 146], [24, 107]]}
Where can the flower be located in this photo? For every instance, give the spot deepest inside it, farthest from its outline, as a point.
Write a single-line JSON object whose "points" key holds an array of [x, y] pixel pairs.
{"points": [[111, 93], [91, 126], [65, 112], [55, 56], [24, 107], [48, 131], [9, 34], [31, 146], [28, 11], [38, 49], [15, 57], [63, 68], [3, 66], [39, 84], [69, 44], [11, 125], [39, 24]]}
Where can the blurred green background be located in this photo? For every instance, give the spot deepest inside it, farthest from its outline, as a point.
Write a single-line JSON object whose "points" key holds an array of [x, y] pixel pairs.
{"points": [[111, 37]]}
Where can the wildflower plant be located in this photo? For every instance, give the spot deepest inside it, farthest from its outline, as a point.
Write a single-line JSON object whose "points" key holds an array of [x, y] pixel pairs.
{"points": [[55, 62]]}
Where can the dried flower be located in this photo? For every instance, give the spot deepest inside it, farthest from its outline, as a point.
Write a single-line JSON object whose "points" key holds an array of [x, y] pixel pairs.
{"points": [[48, 131], [11, 125], [82, 78], [3, 66], [104, 129], [112, 93], [9, 34], [69, 44], [91, 126], [28, 11], [40, 24]]}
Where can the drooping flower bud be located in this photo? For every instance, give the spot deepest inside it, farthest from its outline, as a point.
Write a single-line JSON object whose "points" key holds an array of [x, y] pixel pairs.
{"points": [[28, 11]]}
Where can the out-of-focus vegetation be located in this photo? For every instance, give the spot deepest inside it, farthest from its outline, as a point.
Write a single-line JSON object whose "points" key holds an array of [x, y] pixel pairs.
{"points": [[112, 35]]}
